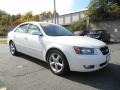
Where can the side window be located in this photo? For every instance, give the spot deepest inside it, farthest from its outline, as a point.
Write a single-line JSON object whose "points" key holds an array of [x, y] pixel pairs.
{"points": [[32, 28], [22, 28]]}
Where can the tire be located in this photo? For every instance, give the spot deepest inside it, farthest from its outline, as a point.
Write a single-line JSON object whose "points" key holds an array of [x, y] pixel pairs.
{"points": [[12, 47], [57, 62]]}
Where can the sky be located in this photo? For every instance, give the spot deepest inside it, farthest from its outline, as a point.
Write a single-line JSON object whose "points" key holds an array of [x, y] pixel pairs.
{"points": [[38, 6]]}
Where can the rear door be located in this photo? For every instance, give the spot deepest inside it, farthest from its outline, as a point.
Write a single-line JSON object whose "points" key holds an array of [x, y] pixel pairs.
{"points": [[20, 37]]}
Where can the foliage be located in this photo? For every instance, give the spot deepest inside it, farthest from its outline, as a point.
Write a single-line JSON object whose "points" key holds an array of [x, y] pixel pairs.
{"points": [[27, 17], [78, 26], [101, 10], [114, 11], [3, 30], [46, 15], [7, 20]]}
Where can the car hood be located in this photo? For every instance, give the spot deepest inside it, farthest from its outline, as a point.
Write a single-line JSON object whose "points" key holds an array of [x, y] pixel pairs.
{"points": [[81, 41]]}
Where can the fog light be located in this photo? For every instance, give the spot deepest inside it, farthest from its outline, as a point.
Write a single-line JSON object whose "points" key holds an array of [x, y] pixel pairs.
{"points": [[88, 66]]}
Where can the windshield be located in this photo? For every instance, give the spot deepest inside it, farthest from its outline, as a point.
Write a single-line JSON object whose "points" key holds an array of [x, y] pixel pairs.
{"points": [[55, 30]]}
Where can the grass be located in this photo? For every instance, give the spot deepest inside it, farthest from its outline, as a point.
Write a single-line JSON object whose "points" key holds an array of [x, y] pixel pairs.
{"points": [[4, 41]]}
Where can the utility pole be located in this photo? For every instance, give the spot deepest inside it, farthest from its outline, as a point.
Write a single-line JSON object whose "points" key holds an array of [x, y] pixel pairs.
{"points": [[87, 23], [55, 11]]}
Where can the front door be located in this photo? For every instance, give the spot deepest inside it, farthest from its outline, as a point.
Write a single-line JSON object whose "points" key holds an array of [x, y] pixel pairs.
{"points": [[34, 43]]}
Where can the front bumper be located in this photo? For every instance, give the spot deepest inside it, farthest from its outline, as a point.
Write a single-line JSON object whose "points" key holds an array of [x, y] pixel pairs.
{"points": [[88, 63]]}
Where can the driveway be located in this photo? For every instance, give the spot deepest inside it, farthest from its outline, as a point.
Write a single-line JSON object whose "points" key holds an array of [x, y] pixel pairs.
{"points": [[26, 73]]}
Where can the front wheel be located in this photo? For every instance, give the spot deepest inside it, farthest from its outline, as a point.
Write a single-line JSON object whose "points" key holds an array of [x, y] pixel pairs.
{"points": [[12, 47], [57, 62]]}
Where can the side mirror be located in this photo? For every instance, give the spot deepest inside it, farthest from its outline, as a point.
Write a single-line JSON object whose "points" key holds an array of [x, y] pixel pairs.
{"points": [[36, 33]]}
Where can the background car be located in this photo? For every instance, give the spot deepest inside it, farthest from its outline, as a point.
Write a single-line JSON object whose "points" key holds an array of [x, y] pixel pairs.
{"points": [[100, 35], [58, 47], [79, 33]]}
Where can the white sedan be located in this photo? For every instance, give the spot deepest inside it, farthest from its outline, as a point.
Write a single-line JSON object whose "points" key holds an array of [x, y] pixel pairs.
{"points": [[58, 47]]}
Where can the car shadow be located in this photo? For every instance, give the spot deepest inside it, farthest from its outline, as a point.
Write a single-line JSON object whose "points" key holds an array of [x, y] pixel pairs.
{"points": [[104, 79], [34, 60]]}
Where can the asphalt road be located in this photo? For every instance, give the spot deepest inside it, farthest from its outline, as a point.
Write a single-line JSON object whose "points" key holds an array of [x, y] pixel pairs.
{"points": [[26, 73]]}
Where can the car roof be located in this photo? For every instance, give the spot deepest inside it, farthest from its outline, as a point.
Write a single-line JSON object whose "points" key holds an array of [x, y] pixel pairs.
{"points": [[37, 22]]}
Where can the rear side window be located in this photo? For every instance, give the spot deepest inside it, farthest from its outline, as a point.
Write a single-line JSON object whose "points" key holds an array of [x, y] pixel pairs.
{"points": [[22, 28]]}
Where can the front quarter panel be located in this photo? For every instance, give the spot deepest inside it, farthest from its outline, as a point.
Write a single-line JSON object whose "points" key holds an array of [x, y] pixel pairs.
{"points": [[61, 47]]}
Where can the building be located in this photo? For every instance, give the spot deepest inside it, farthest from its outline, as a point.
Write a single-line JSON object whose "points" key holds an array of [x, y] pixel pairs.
{"points": [[67, 19]]}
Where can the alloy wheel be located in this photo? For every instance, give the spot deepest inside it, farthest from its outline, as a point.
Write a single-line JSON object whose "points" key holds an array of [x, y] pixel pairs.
{"points": [[56, 62]]}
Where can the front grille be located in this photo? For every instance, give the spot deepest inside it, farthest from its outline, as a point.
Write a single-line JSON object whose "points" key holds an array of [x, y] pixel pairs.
{"points": [[104, 50]]}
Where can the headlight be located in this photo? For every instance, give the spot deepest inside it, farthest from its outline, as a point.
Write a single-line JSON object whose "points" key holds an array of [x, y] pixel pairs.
{"points": [[84, 51]]}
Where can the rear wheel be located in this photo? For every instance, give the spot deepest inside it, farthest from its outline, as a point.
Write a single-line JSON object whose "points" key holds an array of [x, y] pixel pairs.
{"points": [[13, 48], [57, 62]]}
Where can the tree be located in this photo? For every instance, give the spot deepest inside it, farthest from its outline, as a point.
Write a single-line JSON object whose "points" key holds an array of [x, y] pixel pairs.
{"points": [[27, 17], [2, 13], [7, 20], [46, 15], [114, 2], [114, 11], [36, 17], [100, 10], [78, 26]]}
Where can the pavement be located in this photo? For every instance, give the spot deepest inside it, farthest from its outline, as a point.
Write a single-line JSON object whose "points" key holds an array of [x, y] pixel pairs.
{"points": [[26, 73]]}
